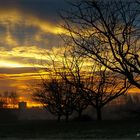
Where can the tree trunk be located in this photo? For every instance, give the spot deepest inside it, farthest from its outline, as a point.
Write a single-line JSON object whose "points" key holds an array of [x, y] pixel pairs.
{"points": [[99, 114]]}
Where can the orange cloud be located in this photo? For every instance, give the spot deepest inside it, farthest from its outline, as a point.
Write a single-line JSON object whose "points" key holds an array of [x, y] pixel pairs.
{"points": [[28, 56]]}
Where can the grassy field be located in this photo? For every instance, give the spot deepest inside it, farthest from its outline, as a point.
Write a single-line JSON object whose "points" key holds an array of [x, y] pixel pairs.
{"points": [[70, 130]]}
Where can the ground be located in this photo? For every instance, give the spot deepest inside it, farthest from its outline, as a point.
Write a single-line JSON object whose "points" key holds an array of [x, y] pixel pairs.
{"points": [[42, 130]]}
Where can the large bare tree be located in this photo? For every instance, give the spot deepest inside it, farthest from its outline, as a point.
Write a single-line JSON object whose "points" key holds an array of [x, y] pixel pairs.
{"points": [[94, 83], [107, 31], [78, 82]]}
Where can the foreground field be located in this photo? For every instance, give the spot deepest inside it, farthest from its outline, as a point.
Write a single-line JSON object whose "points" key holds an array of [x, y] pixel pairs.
{"points": [[41, 130]]}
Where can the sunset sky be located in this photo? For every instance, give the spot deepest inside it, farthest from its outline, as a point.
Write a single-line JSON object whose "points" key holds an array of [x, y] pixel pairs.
{"points": [[28, 29]]}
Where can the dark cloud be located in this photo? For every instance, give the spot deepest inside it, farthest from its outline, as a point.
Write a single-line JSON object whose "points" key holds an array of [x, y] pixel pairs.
{"points": [[32, 36], [45, 9], [24, 34]]}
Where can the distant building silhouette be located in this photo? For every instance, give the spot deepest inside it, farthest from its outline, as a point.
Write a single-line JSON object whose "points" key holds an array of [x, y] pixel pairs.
{"points": [[1, 104], [22, 105]]}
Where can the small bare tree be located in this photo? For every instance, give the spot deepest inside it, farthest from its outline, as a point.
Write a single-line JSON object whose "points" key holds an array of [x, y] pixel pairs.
{"points": [[56, 96], [102, 87], [50, 97]]}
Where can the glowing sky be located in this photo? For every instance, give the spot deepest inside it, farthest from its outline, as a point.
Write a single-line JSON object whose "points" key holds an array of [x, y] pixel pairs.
{"points": [[28, 29]]}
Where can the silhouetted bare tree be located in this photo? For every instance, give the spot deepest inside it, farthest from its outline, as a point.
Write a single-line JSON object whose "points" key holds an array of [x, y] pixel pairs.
{"points": [[50, 97], [77, 83], [56, 96], [70, 71], [69, 95], [108, 32], [102, 87], [94, 84]]}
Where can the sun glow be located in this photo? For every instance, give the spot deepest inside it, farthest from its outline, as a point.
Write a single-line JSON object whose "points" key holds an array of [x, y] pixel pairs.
{"points": [[11, 64]]}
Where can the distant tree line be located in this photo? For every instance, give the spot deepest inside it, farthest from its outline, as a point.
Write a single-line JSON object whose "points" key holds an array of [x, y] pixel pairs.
{"points": [[8, 99]]}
